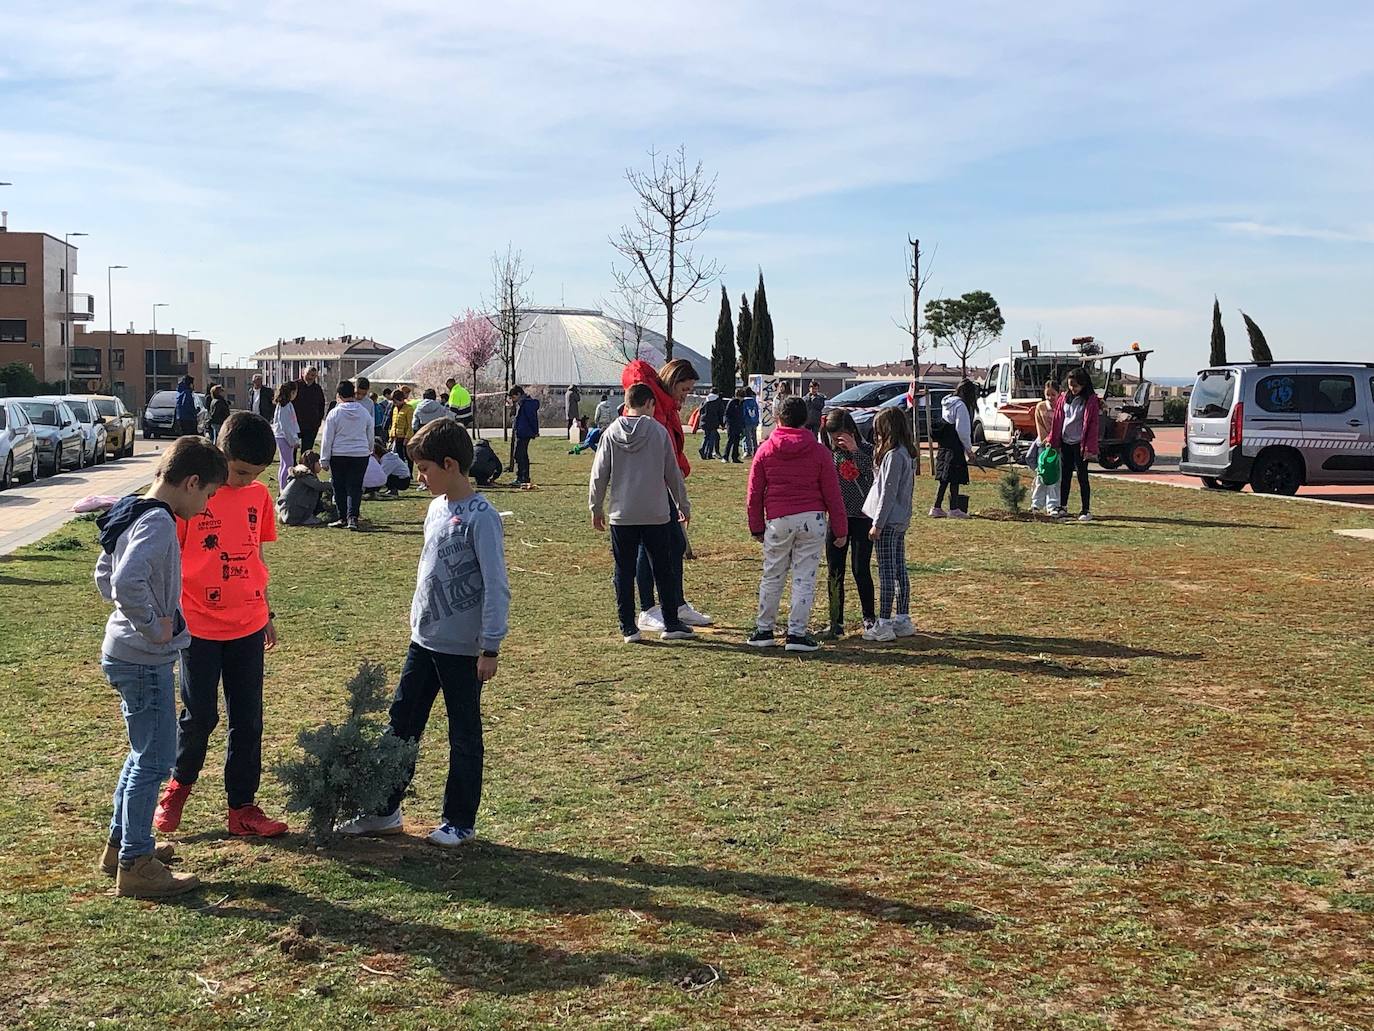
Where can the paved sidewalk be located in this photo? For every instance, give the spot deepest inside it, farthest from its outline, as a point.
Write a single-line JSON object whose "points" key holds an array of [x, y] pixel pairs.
{"points": [[31, 511]]}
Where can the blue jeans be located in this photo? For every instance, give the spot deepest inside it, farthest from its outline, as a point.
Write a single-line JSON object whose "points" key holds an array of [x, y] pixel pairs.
{"points": [[148, 702]]}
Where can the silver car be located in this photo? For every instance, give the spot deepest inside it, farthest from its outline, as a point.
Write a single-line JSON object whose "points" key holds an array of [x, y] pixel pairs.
{"points": [[61, 441], [92, 425], [18, 445], [1279, 426]]}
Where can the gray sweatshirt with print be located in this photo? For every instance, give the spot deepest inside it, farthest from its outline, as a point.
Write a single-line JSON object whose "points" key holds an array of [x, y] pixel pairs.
{"points": [[462, 595]]}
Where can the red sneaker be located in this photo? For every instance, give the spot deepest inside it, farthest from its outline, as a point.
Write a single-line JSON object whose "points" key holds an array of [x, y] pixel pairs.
{"points": [[167, 818], [250, 822]]}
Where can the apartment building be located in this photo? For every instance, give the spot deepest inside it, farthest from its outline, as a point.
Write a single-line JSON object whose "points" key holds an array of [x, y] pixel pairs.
{"points": [[237, 384], [38, 309], [335, 358], [138, 365]]}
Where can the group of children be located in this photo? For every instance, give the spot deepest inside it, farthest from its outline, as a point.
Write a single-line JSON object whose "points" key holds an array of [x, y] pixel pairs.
{"points": [[185, 570], [739, 415]]}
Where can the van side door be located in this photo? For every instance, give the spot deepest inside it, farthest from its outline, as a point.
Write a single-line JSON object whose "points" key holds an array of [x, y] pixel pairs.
{"points": [[1335, 425]]}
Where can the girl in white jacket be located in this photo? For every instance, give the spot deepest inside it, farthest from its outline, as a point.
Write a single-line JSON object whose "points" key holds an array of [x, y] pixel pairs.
{"points": [[287, 430], [956, 448]]}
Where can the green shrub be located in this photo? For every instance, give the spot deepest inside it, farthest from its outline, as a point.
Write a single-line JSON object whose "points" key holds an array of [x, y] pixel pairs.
{"points": [[1175, 410], [1012, 490], [350, 769]]}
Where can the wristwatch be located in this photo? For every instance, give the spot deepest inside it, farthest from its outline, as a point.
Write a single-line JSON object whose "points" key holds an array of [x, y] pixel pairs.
{"points": [[491, 655]]}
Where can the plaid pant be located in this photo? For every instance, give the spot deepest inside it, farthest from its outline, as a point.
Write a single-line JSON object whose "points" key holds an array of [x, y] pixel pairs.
{"points": [[892, 578]]}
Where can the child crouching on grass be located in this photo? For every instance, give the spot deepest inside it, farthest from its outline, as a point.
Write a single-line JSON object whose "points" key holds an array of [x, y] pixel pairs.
{"points": [[792, 485], [889, 506], [139, 572], [305, 501], [458, 619]]}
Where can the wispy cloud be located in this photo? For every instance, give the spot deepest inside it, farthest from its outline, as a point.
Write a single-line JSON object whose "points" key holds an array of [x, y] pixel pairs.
{"points": [[1356, 234]]}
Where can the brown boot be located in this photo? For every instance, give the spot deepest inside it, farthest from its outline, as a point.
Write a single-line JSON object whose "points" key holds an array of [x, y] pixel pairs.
{"points": [[149, 879], [109, 860]]}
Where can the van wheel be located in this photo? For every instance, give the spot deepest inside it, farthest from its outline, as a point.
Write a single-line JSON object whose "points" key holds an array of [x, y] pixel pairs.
{"points": [[1140, 456], [1276, 473]]}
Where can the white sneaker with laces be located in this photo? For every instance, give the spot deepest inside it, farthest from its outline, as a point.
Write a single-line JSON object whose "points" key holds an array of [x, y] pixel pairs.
{"points": [[691, 616], [881, 631], [1086, 517], [634, 638], [448, 836], [902, 626], [651, 619], [391, 823]]}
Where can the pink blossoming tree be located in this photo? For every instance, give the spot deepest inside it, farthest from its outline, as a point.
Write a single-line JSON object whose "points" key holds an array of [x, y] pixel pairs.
{"points": [[474, 342]]}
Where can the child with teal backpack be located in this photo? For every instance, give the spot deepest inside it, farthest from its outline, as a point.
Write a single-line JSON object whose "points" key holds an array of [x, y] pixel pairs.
{"points": [[1043, 458]]}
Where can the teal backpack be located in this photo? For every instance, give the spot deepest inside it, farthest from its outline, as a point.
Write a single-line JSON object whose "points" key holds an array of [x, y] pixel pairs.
{"points": [[1047, 465]]}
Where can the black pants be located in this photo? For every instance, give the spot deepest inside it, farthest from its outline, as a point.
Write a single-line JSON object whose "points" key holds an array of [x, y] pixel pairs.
{"points": [[522, 459], [423, 676], [308, 435], [710, 445], [399, 446], [1071, 458], [644, 569], [656, 543], [956, 500], [732, 444], [394, 482], [347, 472], [859, 550], [238, 663]]}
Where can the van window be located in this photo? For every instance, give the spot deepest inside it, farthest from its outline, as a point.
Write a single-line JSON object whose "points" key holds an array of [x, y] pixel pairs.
{"points": [[1213, 394], [1278, 394], [1316, 395], [1331, 394]]}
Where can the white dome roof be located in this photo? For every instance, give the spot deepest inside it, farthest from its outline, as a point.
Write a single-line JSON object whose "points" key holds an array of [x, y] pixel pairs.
{"points": [[556, 346]]}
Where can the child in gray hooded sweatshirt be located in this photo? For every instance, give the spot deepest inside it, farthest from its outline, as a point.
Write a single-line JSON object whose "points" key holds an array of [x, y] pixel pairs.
{"points": [[635, 464]]}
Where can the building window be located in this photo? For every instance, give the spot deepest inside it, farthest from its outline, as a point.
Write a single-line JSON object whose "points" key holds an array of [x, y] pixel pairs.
{"points": [[117, 359], [14, 331], [13, 273], [62, 280]]}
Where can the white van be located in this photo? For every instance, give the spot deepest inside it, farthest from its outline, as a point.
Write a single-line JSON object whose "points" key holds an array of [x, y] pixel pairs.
{"points": [[1279, 426]]}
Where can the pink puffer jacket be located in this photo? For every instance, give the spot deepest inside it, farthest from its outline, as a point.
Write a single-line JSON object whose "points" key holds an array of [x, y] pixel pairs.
{"points": [[793, 472]]}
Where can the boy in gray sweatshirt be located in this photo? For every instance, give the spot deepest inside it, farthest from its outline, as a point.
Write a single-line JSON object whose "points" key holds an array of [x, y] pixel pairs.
{"points": [[457, 622], [636, 466], [139, 573]]}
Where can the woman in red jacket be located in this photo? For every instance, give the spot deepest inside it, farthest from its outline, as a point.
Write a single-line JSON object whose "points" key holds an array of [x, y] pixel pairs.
{"points": [[671, 384], [1074, 431]]}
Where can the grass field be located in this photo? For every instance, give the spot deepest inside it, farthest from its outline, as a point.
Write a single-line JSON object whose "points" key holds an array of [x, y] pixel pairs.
{"points": [[1121, 780]]}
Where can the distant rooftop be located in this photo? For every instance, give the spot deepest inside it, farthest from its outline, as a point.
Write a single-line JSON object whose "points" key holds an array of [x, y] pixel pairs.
{"points": [[327, 349]]}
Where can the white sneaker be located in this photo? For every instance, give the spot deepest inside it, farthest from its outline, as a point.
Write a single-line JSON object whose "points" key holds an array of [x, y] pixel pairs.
{"points": [[902, 626], [448, 836], [691, 616], [881, 631], [391, 823], [651, 619], [1086, 517], [634, 638]]}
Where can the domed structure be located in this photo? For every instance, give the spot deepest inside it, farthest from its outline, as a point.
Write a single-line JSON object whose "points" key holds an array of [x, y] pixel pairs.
{"points": [[557, 346]]}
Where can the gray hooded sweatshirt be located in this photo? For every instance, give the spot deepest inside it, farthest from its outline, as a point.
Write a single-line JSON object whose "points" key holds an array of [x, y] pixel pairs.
{"points": [[139, 572], [636, 465]]}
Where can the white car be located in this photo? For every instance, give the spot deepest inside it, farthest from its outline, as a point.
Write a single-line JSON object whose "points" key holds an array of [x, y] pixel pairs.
{"points": [[92, 427], [18, 445]]}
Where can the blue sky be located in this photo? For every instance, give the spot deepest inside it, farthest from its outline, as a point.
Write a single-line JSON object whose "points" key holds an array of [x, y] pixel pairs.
{"points": [[283, 169]]}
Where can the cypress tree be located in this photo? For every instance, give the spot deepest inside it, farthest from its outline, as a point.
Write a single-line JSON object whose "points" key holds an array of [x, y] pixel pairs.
{"points": [[1259, 347], [761, 339], [723, 353], [1218, 336], [743, 331]]}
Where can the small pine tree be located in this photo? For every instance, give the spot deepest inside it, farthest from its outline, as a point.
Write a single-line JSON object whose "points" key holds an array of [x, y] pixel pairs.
{"points": [[743, 330], [348, 769], [723, 353], [761, 355], [1012, 490], [1218, 355]]}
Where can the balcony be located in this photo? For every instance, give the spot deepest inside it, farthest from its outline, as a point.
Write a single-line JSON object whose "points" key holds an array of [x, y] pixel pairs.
{"points": [[82, 308]]}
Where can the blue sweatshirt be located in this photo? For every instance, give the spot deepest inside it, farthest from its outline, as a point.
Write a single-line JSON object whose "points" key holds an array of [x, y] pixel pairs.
{"points": [[186, 404], [527, 418], [139, 572], [462, 597]]}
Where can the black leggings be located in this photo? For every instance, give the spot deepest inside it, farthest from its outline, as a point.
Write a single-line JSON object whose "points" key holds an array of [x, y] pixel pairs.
{"points": [[954, 498], [859, 550], [347, 472], [1071, 457]]}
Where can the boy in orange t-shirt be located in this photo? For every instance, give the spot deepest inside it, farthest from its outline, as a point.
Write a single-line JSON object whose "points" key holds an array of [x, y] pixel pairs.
{"points": [[224, 596]]}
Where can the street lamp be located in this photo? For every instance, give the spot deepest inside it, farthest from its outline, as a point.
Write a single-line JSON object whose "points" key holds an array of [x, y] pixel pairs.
{"points": [[67, 312], [160, 304], [109, 339]]}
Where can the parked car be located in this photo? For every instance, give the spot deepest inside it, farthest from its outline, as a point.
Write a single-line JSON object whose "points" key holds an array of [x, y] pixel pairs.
{"points": [[159, 416], [935, 393], [61, 441], [868, 395], [92, 425], [1279, 426], [18, 445], [121, 428]]}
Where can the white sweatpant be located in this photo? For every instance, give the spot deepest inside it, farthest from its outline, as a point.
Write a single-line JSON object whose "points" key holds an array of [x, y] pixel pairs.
{"points": [[1045, 496], [795, 542]]}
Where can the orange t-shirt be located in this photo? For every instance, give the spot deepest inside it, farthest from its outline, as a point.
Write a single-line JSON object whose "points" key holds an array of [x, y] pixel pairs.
{"points": [[223, 577]]}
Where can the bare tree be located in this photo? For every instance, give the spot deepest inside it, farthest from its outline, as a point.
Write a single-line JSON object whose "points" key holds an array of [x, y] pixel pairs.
{"points": [[631, 310], [675, 204], [504, 310], [917, 280]]}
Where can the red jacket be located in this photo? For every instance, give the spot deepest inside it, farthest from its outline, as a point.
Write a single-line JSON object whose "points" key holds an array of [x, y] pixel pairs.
{"points": [[666, 410], [1090, 422], [793, 472]]}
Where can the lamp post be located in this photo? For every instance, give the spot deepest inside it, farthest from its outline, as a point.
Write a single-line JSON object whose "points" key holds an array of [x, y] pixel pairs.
{"points": [[109, 339], [67, 307], [160, 304]]}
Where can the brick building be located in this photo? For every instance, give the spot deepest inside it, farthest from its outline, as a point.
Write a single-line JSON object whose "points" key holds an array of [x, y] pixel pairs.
{"points": [[139, 364], [335, 358], [237, 384], [38, 309]]}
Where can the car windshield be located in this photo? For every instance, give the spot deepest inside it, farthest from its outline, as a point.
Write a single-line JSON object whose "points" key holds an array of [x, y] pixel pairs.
{"points": [[857, 394], [105, 407], [164, 399], [40, 413], [1212, 394], [80, 410]]}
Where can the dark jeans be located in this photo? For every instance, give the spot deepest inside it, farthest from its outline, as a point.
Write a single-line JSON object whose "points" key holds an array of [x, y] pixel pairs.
{"points": [[399, 446], [1071, 457], [347, 472], [398, 482], [238, 663], [308, 435], [656, 542], [732, 444], [859, 549], [644, 570], [423, 676], [710, 444], [522, 459], [956, 500]]}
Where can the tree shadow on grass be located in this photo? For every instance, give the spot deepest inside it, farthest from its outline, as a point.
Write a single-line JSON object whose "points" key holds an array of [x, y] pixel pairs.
{"points": [[1175, 521], [1073, 646], [23, 581]]}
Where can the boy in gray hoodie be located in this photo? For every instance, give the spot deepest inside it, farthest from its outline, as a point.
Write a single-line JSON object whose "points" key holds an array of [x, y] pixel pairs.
{"points": [[139, 572], [636, 465]]}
